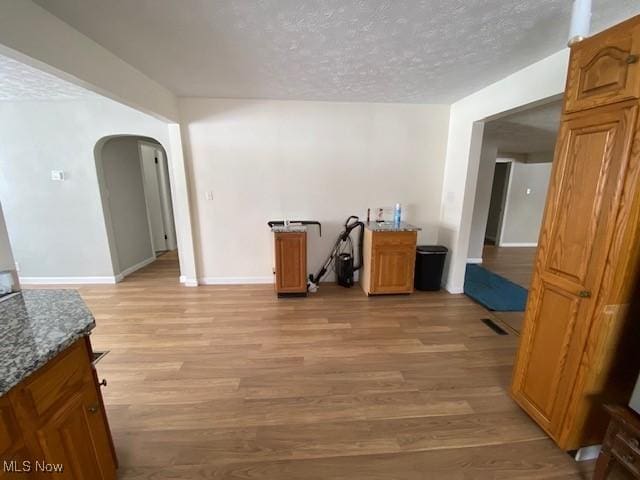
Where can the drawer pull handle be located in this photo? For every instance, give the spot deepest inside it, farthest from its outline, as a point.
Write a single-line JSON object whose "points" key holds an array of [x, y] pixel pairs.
{"points": [[634, 442], [93, 408], [103, 383], [628, 458], [631, 59], [584, 294]]}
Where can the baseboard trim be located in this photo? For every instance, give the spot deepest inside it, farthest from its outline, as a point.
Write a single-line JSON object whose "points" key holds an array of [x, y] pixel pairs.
{"points": [[518, 244], [128, 271], [109, 280], [474, 260], [235, 280]]}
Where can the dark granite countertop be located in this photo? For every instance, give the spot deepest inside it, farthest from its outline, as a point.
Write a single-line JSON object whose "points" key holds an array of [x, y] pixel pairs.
{"points": [[35, 326], [391, 227]]}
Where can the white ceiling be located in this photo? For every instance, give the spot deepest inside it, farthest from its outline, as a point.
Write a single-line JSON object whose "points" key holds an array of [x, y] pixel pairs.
{"points": [[422, 51], [22, 82], [529, 131]]}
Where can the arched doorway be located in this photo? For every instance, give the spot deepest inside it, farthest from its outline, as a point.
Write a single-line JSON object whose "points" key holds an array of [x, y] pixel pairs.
{"points": [[135, 190]]}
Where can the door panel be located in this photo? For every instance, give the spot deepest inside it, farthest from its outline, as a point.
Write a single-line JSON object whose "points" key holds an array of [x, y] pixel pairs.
{"points": [[75, 438], [291, 268], [605, 69], [557, 315], [589, 171], [393, 267]]}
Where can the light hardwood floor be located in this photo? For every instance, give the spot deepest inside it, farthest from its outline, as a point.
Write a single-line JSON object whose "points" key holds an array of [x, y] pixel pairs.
{"points": [[230, 382], [515, 264]]}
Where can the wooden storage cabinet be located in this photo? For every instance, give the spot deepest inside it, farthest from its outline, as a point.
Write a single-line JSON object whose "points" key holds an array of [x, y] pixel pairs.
{"points": [[388, 262], [57, 416], [587, 255], [604, 69], [291, 263]]}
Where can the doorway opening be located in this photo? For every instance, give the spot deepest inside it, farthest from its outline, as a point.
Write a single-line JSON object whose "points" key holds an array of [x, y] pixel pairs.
{"points": [[137, 202], [513, 179]]}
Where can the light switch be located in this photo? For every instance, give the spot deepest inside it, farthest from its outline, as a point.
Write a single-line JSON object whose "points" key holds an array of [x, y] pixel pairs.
{"points": [[57, 175]]}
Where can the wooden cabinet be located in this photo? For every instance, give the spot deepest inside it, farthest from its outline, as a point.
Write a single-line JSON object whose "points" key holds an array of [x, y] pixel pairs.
{"points": [[605, 68], [56, 416], [388, 262], [584, 264], [291, 263]]}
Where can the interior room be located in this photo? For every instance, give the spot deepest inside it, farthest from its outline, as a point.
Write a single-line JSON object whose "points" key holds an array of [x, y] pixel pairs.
{"points": [[323, 240]]}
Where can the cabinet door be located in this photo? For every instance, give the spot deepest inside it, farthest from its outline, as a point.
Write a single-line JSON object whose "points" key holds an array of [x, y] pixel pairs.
{"points": [[605, 68], [393, 268], [584, 195], [291, 262], [75, 437]]}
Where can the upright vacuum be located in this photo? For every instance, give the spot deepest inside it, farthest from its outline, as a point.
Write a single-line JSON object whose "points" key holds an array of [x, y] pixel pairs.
{"points": [[342, 256]]}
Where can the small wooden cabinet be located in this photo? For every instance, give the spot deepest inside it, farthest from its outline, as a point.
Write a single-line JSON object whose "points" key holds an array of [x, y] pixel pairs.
{"points": [[291, 263], [388, 262], [57, 416]]}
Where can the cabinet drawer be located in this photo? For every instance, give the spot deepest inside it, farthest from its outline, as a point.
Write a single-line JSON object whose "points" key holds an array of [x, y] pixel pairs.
{"points": [[407, 239], [625, 453], [9, 433], [63, 375]]}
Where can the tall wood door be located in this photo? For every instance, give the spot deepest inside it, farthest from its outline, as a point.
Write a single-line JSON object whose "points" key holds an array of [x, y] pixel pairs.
{"points": [[75, 436], [590, 163], [291, 262]]}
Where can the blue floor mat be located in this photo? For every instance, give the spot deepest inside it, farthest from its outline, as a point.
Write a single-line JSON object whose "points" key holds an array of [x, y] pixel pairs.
{"points": [[493, 291]]}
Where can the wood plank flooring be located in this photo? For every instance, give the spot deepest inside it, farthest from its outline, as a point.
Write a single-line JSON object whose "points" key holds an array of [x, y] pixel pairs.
{"points": [[231, 382]]}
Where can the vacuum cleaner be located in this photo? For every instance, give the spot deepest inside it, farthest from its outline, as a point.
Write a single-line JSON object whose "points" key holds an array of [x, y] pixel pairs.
{"points": [[342, 257]]}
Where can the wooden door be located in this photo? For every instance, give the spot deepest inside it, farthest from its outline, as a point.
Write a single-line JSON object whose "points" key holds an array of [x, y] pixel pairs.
{"points": [[605, 68], [291, 262], [75, 437], [393, 267], [584, 196]]}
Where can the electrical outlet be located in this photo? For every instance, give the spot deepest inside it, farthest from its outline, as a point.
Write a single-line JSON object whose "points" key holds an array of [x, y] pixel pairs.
{"points": [[209, 195], [528, 191]]}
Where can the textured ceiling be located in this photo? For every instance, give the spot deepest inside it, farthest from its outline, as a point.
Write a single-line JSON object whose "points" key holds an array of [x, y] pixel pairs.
{"points": [[530, 131], [426, 51], [22, 82]]}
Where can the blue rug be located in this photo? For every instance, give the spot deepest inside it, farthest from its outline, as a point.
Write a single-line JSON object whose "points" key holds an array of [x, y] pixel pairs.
{"points": [[493, 291]]}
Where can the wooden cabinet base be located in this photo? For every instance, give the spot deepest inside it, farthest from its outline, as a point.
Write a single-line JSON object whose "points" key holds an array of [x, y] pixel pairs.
{"points": [[388, 262], [56, 417], [291, 264]]}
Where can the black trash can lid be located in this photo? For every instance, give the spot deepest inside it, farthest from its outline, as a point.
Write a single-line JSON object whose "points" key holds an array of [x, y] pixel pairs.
{"points": [[426, 249]]}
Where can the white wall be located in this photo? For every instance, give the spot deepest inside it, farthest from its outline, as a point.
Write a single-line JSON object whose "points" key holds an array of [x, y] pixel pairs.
{"points": [[124, 193], [265, 160], [536, 83], [522, 216], [6, 256], [57, 228], [486, 168]]}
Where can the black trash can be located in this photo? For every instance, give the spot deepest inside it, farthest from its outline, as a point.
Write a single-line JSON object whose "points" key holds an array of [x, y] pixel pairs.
{"points": [[429, 266]]}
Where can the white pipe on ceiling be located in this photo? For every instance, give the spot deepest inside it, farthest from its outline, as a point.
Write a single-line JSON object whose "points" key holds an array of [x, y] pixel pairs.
{"points": [[580, 21]]}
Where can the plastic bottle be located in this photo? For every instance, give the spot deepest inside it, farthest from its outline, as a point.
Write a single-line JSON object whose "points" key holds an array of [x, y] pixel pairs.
{"points": [[397, 215]]}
